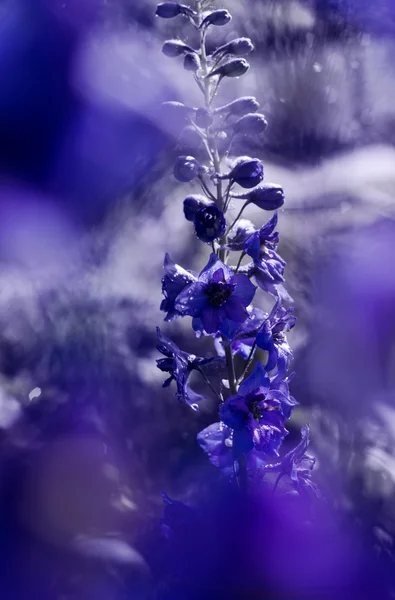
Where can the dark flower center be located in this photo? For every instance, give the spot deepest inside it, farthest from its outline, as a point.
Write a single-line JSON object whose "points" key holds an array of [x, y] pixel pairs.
{"points": [[219, 293], [255, 411]]}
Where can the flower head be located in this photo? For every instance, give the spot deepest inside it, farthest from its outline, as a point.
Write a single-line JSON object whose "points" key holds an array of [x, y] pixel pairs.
{"points": [[175, 280], [180, 365], [271, 337], [217, 297], [186, 168], [193, 203], [209, 223], [268, 266], [247, 172], [257, 414], [298, 465]]}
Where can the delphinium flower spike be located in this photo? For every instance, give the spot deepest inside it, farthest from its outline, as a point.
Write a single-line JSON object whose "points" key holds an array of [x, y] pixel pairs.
{"points": [[252, 407]]}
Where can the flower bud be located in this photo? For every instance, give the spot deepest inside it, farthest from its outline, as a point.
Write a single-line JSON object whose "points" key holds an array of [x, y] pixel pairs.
{"points": [[251, 123], [203, 118], [247, 172], [174, 48], [239, 234], [237, 47], [168, 10], [193, 203], [191, 62], [241, 106], [269, 196], [186, 168], [177, 109], [218, 18], [233, 68], [209, 223]]}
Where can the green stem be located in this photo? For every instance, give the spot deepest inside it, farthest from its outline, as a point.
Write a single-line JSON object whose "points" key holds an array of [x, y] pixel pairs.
{"points": [[220, 202]]}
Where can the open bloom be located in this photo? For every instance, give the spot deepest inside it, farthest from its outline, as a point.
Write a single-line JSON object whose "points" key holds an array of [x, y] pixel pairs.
{"points": [[257, 414], [175, 280], [217, 297], [180, 365], [298, 465], [268, 266], [271, 337]]}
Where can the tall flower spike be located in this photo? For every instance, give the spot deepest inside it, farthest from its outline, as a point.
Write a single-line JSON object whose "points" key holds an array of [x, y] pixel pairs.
{"points": [[253, 409]]}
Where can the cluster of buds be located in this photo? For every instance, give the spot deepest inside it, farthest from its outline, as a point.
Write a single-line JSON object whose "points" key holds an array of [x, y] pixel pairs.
{"points": [[253, 407]]}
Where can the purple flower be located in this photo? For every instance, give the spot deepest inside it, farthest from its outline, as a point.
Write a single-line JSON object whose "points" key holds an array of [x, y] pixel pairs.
{"points": [[186, 168], [216, 441], [268, 266], [257, 414], [217, 297], [175, 280], [209, 223], [298, 465], [180, 365], [247, 172], [243, 336], [193, 203], [251, 124], [271, 337]]}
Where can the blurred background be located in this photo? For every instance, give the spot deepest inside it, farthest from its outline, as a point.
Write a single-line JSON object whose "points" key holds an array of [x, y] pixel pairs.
{"points": [[88, 207]]}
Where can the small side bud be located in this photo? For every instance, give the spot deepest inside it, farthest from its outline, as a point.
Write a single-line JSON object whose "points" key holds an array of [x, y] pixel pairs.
{"points": [[210, 223], [177, 110], [218, 18], [233, 68], [251, 123], [268, 197], [240, 107], [203, 118], [186, 168], [169, 10], [193, 203], [173, 48], [237, 47], [191, 62], [247, 172]]}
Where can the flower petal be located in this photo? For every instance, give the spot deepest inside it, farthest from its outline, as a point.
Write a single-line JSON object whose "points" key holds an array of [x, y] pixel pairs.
{"points": [[258, 379], [192, 300], [244, 289]]}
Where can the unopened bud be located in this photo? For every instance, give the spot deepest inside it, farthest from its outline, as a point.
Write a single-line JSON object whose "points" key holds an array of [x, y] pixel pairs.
{"points": [[217, 17], [186, 168], [233, 68], [251, 123], [174, 48], [191, 62]]}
